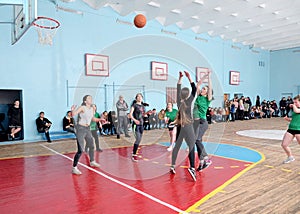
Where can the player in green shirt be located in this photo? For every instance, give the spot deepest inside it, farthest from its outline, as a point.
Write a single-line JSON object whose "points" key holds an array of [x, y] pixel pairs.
{"points": [[200, 121], [293, 130], [94, 129], [169, 119]]}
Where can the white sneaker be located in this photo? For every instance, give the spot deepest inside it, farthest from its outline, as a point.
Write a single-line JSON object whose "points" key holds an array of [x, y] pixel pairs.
{"points": [[94, 164], [170, 148], [76, 171], [289, 159]]}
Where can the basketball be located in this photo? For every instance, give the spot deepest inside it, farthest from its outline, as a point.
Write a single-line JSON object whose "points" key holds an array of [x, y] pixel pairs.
{"points": [[140, 21]]}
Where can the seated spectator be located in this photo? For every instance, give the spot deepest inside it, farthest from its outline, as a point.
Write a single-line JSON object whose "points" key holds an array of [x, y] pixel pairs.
{"points": [[68, 123], [105, 124], [252, 113], [113, 122], [257, 112], [161, 119], [275, 108], [208, 115], [218, 113], [15, 117], [153, 119], [146, 122], [43, 125]]}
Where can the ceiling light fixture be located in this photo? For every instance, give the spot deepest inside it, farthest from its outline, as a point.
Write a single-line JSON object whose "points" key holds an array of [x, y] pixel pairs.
{"points": [[177, 11], [218, 9], [198, 2], [234, 14], [195, 17], [154, 4], [262, 5]]}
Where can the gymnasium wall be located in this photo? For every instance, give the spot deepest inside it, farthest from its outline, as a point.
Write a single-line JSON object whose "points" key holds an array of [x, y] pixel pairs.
{"points": [[53, 78], [284, 73]]}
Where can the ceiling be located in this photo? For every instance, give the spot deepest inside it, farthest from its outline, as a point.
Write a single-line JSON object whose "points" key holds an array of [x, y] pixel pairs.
{"points": [[266, 24]]}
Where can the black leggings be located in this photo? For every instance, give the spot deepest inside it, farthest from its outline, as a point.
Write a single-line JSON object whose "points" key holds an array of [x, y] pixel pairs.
{"points": [[138, 133]]}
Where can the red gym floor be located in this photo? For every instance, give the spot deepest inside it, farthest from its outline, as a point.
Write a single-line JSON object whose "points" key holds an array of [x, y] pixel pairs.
{"points": [[44, 184]]}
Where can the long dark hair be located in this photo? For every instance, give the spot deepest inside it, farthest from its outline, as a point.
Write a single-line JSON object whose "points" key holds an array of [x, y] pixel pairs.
{"points": [[84, 99], [181, 117]]}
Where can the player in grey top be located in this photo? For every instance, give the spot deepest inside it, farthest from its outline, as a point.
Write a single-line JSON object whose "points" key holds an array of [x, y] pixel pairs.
{"points": [[86, 114]]}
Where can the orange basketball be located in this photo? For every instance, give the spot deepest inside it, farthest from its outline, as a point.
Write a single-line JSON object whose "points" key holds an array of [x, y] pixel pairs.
{"points": [[140, 21]]}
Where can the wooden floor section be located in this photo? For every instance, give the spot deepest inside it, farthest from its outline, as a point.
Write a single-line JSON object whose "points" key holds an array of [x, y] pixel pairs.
{"points": [[268, 187]]}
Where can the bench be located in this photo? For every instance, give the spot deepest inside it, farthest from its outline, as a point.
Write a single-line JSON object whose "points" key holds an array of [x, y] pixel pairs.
{"points": [[57, 135]]}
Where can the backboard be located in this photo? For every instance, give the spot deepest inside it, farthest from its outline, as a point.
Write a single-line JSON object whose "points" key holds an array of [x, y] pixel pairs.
{"points": [[23, 15], [24, 12]]}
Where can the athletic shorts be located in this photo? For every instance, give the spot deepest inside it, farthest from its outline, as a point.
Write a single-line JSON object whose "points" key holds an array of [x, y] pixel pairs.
{"points": [[171, 127], [293, 132]]}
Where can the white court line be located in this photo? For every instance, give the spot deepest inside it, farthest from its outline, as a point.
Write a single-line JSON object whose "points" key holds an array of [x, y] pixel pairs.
{"points": [[121, 183]]}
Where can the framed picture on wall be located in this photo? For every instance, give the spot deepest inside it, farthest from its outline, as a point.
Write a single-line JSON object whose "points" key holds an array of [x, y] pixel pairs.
{"points": [[159, 71], [96, 65], [234, 78], [200, 72]]}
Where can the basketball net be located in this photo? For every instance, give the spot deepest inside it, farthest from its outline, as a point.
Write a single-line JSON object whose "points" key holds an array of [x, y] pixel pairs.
{"points": [[46, 29]]}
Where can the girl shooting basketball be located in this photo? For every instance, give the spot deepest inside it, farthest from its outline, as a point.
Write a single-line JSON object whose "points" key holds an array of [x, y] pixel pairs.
{"points": [[184, 123]]}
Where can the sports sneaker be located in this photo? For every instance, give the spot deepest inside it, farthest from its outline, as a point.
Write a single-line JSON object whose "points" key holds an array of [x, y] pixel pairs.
{"points": [[170, 148], [289, 159], [205, 165], [94, 164], [134, 158], [193, 173], [172, 170], [76, 171]]}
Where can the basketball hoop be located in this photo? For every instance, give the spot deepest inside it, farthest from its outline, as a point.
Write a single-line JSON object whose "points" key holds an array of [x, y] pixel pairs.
{"points": [[46, 28]]}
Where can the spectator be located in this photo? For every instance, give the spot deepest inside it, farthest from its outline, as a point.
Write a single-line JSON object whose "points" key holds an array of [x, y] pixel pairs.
{"points": [[68, 123], [161, 119], [289, 101], [282, 107], [105, 124], [122, 108], [43, 125], [15, 117], [153, 119]]}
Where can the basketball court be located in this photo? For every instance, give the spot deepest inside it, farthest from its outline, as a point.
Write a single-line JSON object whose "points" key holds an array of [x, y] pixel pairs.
{"points": [[120, 185]]}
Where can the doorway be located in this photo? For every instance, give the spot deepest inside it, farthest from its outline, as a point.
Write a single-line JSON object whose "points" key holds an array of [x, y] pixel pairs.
{"points": [[7, 98]]}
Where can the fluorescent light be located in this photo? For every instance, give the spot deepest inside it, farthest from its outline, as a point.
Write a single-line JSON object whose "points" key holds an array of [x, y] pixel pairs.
{"points": [[218, 9], [198, 2], [177, 11], [154, 4]]}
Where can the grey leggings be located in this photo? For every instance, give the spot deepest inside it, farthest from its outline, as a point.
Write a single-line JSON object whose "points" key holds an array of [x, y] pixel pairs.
{"points": [[200, 126], [83, 133]]}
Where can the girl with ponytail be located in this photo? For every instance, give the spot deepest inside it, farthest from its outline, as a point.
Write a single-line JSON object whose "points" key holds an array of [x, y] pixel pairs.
{"points": [[184, 122]]}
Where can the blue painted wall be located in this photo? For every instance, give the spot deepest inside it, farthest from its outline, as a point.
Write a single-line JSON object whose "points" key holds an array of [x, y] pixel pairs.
{"points": [[53, 77], [285, 73]]}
